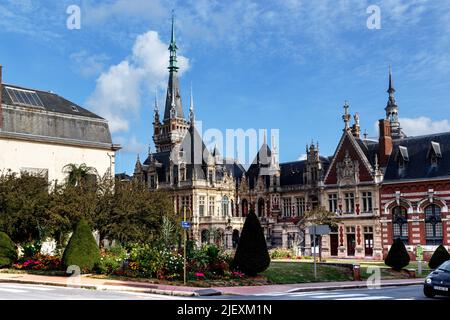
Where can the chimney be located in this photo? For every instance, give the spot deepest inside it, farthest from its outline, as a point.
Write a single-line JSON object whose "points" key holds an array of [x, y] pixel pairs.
{"points": [[385, 142], [1, 91]]}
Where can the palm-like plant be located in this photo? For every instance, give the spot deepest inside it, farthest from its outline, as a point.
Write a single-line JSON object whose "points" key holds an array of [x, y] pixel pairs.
{"points": [[77, 174]]}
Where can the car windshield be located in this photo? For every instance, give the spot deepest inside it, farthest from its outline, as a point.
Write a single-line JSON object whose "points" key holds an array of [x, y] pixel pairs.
{"points": [[445, 266]]}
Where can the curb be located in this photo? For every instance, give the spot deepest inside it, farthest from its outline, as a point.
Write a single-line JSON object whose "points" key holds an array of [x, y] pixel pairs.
{"points": [[112, 288]]}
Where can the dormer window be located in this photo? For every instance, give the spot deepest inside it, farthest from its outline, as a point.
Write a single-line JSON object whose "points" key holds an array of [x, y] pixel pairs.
{"points": [[402, 156], [434, 153], [75, 109]]}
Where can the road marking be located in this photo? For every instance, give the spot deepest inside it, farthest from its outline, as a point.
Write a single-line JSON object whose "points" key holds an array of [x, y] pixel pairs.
{"points": [[339, 296], [307, 294], [12, 290], [27, 287], [367, 298]]}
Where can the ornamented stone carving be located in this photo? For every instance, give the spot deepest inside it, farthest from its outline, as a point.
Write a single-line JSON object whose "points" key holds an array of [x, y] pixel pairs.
{"points": [[347, 171]]}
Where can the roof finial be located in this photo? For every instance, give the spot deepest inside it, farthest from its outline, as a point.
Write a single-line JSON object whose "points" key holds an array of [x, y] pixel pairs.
{"points": [[365, 134], [191, 108], [156, 101], [173, 47], [346, 117]]}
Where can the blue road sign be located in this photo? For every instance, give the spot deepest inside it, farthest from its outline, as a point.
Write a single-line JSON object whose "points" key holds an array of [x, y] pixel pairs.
{"points": [[185, 224]]}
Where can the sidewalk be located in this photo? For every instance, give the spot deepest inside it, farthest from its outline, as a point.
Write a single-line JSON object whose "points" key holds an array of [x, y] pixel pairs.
{"points": [[133, 286]]}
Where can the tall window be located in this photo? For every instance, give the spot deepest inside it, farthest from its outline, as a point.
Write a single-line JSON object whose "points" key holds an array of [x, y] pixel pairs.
{"points": [[367, 201], [211, 206], [349, 201], [185, 203], [201, 206], [225, 203], [301, 206], [400, 223], [152, 181], [433, 225], [333, 202], [287, 209]]}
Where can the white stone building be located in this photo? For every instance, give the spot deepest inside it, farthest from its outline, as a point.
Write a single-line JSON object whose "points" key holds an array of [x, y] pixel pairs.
{"points": [[41, 132]]}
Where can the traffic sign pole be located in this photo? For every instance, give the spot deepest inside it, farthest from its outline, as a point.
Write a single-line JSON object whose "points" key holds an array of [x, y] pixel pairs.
{"points": [[184, 258], [315, 266]]}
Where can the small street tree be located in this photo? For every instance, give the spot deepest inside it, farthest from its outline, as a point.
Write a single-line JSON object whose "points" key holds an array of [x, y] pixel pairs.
{"points": [[252, 256], [397, 257], [8, 252], [82, 249], [439, 256]]}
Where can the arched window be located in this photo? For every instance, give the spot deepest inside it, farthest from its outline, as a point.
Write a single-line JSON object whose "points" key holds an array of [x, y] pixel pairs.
{"points": [[433, 225], [244, 207], [260, 207], [400, 223]]}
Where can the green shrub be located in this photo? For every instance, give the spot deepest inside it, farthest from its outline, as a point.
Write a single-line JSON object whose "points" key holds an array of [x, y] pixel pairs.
{"points": [[439, 257], [31, 249], [397, 257], [251, 255], [8, 251], [112, 260], [82, 250], [279, 253]]}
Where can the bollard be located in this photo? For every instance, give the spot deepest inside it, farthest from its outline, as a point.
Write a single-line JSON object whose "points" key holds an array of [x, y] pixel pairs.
{"points": [[356, 272]]}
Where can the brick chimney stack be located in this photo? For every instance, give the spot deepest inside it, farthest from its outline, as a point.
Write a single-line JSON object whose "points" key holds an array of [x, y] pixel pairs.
{"points": [[1, 91], [385, 142]]}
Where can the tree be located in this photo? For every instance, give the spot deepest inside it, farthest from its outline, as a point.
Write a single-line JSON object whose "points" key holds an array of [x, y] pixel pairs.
{"points": [[8, 252], [82, 249], [319, 216], [24, 204], [252, 256], [439, 256], [78, 175], [397, 257]]}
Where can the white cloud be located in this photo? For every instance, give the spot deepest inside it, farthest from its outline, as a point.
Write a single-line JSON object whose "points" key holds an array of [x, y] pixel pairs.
{"points": [[131, 145], [303, 156], [89, 65], [423, 125], [119, 91]]}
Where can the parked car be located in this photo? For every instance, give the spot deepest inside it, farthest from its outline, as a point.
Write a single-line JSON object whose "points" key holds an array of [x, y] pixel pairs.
{"points": [[438, 281]]}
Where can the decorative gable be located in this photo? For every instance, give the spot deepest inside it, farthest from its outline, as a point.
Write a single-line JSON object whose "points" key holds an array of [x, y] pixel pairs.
{"points": [[349, 165]]}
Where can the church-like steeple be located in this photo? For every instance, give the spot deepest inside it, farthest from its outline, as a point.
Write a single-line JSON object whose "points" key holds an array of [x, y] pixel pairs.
{"points": [[191, 110], [392, 110], [173, 98]]}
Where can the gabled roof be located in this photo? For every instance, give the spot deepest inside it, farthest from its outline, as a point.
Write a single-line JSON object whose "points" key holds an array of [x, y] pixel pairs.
{"points": [[419, 165], [357, 151]]}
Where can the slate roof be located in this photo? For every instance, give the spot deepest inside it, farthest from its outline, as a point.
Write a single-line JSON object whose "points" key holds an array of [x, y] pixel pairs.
{"points": [[52, 102], [58, 120], [419, 165]]}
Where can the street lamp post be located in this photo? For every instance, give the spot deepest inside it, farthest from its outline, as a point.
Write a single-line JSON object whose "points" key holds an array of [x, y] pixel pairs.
{"points": [[185, 224]]}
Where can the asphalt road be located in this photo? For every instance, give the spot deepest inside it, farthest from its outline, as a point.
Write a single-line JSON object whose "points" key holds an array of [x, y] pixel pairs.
{"points": [[385, 293], [15, 291]]}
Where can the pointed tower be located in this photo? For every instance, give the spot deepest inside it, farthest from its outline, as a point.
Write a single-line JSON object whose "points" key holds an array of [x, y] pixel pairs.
{"points": [[174, 126], [138, 170], [392, 111]]}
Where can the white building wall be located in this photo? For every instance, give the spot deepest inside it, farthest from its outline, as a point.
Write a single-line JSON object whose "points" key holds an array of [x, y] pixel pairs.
{"points": [[18, 155]]}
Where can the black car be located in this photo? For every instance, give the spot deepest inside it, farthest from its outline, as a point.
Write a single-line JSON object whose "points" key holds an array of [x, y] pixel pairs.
{"points": [[438, 281]]}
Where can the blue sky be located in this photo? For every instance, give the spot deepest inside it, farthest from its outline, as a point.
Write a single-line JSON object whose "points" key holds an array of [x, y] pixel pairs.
{"points": [[286, 65]]}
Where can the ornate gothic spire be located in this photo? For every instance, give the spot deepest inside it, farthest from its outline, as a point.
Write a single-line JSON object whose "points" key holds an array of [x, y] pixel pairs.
{"points": [[191, 109], [392, 110], [173, 98]]}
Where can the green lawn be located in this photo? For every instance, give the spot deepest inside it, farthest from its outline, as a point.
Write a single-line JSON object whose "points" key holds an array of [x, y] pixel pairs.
{"points": [[301, 272]]}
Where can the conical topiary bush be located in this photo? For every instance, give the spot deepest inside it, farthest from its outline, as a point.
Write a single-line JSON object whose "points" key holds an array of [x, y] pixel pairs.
{"points": [[252, 256], [8, 251], [397, 257], [82, 249], [439, 256]]}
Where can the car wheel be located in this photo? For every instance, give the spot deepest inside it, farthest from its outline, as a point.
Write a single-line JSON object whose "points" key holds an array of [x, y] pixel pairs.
{"points": [[428, 292]]}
